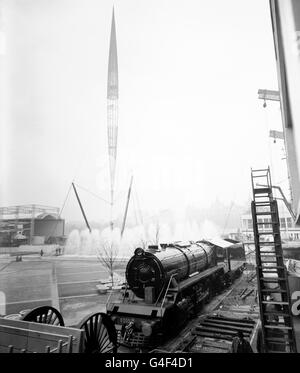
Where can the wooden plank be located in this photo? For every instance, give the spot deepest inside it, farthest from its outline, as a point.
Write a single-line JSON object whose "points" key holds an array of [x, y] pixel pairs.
{"points": [[46, 328], [26, 339], [34, 337], [14, 337], [218, 336], [227, 327], [250, 321], [218, 330], [233, 323], [214, 343]]}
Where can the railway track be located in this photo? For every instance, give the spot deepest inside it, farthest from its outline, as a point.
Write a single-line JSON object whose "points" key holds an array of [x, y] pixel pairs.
{"points": [[213, 330]]}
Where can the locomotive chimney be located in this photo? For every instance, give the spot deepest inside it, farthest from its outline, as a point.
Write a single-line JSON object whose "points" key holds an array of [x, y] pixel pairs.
{"points": [[163, 246]]}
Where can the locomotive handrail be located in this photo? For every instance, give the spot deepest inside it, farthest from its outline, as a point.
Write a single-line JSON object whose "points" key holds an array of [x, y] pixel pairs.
{"points": [[159, 296], [162, 304]]}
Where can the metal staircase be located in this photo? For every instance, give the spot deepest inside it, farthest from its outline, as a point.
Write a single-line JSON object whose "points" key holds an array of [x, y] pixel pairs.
{"points": [[272, 281]]}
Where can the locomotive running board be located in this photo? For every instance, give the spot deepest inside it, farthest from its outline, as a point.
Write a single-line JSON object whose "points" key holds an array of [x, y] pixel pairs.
{"points": [[135, 309], [194, 279]]}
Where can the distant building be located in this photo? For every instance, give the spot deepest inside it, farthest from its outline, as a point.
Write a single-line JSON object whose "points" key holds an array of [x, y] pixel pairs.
{"points": [[289, 231], [30, 224]]}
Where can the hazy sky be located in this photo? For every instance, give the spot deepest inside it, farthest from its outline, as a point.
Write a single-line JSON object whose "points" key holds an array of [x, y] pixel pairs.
{"points": [[190, 122]]}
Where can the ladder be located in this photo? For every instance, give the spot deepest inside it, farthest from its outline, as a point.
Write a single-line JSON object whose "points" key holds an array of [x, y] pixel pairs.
{"points": [[272, 281]]}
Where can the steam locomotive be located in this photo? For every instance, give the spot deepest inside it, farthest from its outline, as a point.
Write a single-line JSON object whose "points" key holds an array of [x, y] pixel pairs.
{"points": [[166, 286]]}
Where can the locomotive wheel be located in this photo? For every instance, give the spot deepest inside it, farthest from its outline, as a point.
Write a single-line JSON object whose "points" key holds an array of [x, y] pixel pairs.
{"points": [[100, 333], [44, 315]]}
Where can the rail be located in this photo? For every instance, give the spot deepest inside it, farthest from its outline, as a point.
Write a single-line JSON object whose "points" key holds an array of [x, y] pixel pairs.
{"points": [[34, 337], [168, 287], [59, 349], [287, 204]]}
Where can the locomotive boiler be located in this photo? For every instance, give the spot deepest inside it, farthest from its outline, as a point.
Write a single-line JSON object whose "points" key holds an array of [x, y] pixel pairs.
{"points": [[154, 268], [166, 286]]}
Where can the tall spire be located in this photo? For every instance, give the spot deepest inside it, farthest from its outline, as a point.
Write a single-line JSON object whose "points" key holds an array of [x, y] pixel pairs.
{"points": [[112, 81], [112, 107]]}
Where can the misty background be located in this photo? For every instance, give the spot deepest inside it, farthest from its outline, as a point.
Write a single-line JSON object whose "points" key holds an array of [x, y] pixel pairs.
{"points": [[190, 122]]}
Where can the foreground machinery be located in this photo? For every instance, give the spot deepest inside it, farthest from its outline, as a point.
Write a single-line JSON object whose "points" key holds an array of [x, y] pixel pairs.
{"points": [[43, 330]]}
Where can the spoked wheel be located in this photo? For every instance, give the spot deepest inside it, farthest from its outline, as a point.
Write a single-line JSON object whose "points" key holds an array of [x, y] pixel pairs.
{"points": [[44, 315], [100, 334]]}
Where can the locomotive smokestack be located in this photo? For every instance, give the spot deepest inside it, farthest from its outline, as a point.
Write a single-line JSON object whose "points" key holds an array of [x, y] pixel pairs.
{"points": [[139, 251]]}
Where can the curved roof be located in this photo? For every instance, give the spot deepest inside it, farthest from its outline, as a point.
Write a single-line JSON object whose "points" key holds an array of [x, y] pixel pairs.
{"points": [[47, 216]]}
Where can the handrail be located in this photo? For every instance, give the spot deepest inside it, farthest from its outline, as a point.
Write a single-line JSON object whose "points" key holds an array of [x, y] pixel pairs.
{"points": [[159, 295], [166, 294], [267, 177], [287, 204], [57, 349], [60, 345]]}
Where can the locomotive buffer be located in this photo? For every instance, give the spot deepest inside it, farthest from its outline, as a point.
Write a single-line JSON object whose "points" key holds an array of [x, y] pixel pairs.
{"points": [[272, 281]]}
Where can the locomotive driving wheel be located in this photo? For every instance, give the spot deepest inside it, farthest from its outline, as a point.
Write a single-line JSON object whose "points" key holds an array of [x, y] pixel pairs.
{"points": [[44, 315], [100, 334]]}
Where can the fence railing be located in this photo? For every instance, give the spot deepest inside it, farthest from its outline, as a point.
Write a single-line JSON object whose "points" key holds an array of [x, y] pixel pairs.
{"points": [[68, 345]]}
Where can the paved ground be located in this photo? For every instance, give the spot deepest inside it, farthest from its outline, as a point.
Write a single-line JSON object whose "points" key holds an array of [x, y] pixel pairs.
{"points": [[25, 285], [76, 282], [67, 284]]}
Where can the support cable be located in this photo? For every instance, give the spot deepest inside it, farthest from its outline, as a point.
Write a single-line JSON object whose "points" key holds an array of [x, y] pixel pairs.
{"points": [[94, 194]]}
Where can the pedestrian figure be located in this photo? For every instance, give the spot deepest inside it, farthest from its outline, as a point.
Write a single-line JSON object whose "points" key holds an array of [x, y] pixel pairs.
{"points": [[42, 252], [240, 345]]}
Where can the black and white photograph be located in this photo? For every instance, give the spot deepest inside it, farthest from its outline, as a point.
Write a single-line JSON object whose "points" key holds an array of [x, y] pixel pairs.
{"points": [[149, 179]]}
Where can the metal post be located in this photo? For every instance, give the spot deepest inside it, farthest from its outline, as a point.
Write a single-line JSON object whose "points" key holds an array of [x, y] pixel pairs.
{"points": [[126, 208], [10, 349], [32, 225], [17, 219], [81, 208], [228, 259], [70, 344], [59, 346]]}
